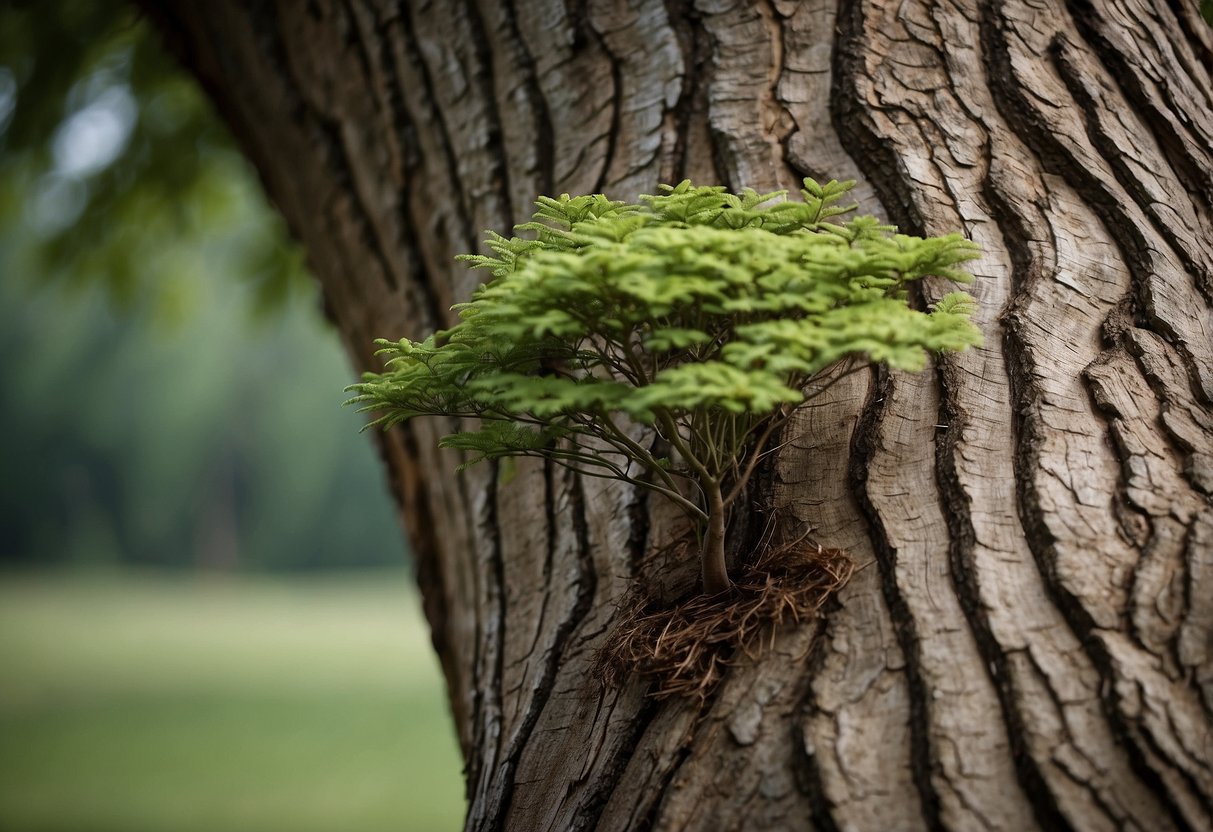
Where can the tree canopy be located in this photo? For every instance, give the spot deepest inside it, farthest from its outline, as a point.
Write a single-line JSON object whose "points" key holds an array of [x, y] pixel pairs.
{"points": [[703, 314]]}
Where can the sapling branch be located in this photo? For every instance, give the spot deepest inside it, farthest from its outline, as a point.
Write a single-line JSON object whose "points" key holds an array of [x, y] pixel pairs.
{"points": [[714, 571], [702, 316], [567, 460], [617, 437], [740, 481]]}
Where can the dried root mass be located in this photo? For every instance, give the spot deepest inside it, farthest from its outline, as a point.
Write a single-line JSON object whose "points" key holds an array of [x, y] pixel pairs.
{"points": [[684, 649]]}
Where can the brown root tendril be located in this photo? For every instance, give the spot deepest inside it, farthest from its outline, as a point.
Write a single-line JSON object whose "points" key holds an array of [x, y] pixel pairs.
{"points": [[685, 649]]}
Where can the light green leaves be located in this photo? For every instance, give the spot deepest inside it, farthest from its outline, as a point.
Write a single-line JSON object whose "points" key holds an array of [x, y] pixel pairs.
{"points": [[700, 312], [709, 385]]}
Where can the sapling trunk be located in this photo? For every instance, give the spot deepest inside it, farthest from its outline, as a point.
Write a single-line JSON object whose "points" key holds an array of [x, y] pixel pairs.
{"points": [[715, 573]]}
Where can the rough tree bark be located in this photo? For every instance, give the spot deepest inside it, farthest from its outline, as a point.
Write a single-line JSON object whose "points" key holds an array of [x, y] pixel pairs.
{"points": [[1031, 643]]}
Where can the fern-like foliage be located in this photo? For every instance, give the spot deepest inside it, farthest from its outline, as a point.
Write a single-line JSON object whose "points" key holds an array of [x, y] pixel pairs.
{"points": [[703, 314]]}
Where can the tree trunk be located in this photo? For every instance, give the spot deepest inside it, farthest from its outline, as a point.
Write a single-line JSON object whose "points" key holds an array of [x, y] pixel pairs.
{"points": [[1030, 645]]}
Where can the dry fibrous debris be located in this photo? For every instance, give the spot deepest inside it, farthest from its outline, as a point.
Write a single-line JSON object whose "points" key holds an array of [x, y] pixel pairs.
{"points": [[684, 649]]}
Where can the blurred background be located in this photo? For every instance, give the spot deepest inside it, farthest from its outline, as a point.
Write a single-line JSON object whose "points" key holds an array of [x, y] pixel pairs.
{"points": [[207, 619]]}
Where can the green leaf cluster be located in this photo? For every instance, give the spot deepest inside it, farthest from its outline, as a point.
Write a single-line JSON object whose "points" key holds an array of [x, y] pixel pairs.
{"points": [[704, 314]]}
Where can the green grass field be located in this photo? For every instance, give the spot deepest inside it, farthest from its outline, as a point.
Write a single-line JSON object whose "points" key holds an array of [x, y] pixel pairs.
{"points": [[134, 703]]}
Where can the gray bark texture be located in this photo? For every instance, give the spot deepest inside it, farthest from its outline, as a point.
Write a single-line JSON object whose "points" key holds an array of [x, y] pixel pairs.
{"points": [[1028, 642]]}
